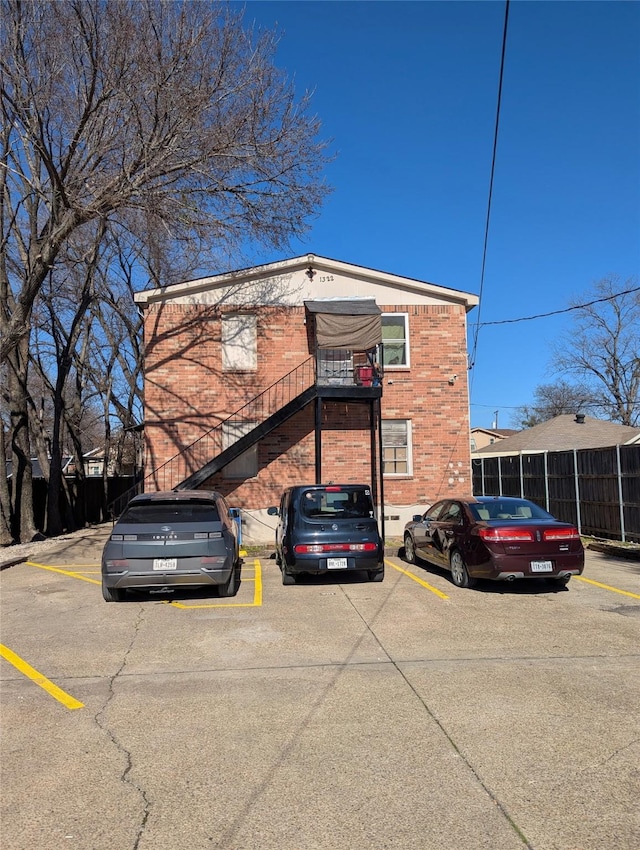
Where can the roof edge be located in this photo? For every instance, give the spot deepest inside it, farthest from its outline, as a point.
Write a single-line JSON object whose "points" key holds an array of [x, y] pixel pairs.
{"points": [[304, 261]]}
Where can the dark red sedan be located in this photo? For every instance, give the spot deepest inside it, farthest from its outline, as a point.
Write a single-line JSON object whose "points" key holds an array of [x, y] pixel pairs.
{"points": [[494, 537]]}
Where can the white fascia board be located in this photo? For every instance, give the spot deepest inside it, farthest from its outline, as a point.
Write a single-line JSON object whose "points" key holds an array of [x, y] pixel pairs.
{"points": [[512, 453], [190, 289]]}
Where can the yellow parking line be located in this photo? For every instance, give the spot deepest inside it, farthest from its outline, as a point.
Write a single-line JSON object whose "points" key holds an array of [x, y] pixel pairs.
{"points": [[608, 587], [57, 693], [63, 572], [257, 595], [418, 580]]}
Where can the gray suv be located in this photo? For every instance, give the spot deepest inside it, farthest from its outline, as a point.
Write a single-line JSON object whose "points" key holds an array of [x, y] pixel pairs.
{"points": [[168, 539], [325, 528]]}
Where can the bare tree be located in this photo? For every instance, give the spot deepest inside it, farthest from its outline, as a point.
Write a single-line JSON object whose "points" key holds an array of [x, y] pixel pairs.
{"points": [[553, 400], [165, 117], [603, 351]]}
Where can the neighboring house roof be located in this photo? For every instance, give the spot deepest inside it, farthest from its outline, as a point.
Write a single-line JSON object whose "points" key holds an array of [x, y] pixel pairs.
{"points": [[500, 433], [36, 469], [282, 284], [563, 432]]}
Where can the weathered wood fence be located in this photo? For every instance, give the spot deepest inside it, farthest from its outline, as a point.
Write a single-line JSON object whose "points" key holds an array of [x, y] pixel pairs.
{"points": [[597, 489]]}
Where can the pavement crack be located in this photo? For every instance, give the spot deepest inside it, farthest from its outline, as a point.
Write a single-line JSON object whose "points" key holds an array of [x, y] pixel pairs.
{"points": [[102, 722], [494, 799]]}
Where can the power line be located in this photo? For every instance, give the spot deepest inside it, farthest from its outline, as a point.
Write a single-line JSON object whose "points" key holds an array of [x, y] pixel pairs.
{"points": [[558, 312], [493, 168]]}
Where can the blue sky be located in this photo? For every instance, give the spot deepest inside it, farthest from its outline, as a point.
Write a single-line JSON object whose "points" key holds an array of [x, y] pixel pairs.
{"points": [[408, 93]]}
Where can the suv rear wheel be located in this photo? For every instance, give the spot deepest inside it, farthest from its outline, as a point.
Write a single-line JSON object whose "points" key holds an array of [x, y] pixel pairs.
{"points": [[287, 578], [112, 594]]}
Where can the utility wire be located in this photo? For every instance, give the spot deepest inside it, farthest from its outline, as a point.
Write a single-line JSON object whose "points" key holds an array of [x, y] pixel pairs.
{"points": [[493, 168], [558, 312]]}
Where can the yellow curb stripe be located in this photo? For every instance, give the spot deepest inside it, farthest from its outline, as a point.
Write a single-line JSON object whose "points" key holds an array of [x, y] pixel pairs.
{"points": [[26, 669], [257, 592], [63, 572], [257, 595], [608, 587], [418, 580]]}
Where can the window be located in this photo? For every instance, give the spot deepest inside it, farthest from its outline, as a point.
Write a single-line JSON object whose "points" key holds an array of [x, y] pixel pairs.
{"points": [[434, 513], [396, 447], [395, 339], [239, 343], [246, 465], [453, 514]]}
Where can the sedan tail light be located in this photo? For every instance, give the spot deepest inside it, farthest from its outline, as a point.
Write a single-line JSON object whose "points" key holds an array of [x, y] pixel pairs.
{"points": [[322, 548], [561, 534], [506, 533]]}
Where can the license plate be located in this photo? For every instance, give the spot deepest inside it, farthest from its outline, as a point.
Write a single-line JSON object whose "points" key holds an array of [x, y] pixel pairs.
{"points": [[541, 566], [336, 563], [165, 563]]}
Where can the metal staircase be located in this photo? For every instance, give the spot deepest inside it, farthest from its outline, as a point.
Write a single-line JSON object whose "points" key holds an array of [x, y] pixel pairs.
{"points": [[191, 467]]}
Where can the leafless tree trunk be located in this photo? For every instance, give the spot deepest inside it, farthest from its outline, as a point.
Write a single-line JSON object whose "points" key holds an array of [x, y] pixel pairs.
{"points": [[164, 118]]}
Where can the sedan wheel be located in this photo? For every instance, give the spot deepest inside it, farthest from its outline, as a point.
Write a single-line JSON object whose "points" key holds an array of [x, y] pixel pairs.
{"points": [[459, 575], [409, 549]]}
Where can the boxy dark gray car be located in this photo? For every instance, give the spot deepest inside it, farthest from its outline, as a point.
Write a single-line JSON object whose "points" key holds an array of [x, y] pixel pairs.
{"points": [[327, 527], [172, 539]]}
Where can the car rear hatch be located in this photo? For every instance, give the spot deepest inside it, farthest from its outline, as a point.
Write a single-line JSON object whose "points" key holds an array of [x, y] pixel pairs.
{"points": [[169, 536], [338, 520]]}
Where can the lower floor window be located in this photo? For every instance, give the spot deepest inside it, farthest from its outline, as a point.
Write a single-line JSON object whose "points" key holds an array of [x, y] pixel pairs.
{"points": [[396, 447], [246, 465]]}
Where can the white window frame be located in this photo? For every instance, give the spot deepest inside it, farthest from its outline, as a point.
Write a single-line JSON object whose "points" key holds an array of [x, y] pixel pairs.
{"points": [[407, 363], [239, 342], [409, 448], [246, 465]]}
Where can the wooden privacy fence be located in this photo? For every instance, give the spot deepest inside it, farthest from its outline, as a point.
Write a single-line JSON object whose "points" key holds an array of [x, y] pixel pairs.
{"points": [[596, 489]]}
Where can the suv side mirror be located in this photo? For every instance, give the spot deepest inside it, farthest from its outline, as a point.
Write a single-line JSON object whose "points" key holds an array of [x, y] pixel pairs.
{"points": [[273, 511]]}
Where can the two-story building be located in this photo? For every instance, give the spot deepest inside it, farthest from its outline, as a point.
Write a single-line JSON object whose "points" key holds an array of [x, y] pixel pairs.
{"points": [[307, 370]]}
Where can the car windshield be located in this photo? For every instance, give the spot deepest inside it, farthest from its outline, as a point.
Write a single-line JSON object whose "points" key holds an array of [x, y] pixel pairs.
{"points": [[518, 509], [338, 503], [170, 513]]}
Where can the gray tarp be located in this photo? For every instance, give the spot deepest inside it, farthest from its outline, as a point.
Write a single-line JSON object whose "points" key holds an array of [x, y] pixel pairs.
{"points": [[354, 324]]}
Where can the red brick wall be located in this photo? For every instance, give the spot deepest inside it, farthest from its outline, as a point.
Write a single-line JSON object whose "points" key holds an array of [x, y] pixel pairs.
{"points": [[187, 394]]}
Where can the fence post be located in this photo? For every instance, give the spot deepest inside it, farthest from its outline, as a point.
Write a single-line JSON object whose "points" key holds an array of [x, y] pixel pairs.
{"points": [[521, 477], [577, 486], [499, 476], [546, 480], [620, 498]]}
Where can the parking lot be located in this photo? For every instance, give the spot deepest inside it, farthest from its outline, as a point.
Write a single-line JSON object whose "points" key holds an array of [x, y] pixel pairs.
{"points": [[337, 714]]}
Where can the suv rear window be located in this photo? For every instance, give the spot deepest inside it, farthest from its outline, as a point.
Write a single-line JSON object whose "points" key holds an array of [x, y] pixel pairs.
{"points": [[170, 512], [337, 503]]}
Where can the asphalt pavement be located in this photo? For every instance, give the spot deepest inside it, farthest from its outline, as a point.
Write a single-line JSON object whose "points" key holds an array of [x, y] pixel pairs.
{"points": [[337, 714]]}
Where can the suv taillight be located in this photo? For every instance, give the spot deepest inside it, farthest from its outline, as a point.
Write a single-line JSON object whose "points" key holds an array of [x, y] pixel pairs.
{"points": [[323, 548]]}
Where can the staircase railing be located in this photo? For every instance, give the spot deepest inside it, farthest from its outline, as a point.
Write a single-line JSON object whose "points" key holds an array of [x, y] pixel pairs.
{"points": [[193, 457]]}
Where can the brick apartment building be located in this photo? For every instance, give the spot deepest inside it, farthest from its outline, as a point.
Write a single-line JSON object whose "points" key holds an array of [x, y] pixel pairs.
{"points": [[305, 370]]}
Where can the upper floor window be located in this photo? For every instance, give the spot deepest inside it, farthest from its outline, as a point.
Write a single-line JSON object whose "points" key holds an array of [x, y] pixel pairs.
{"points": [[395, 339], [239, 343]]}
